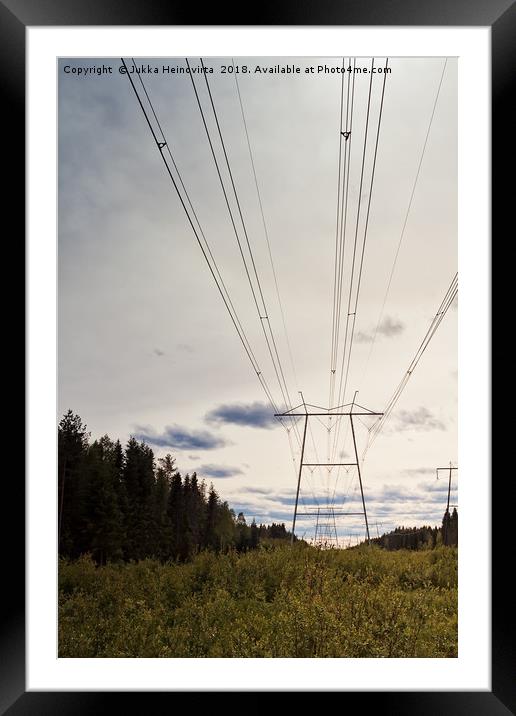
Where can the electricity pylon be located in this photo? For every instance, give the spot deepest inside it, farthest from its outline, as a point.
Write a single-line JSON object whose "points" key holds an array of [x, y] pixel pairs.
{"points": [[339, 411], [326, 531], [447, 513]]}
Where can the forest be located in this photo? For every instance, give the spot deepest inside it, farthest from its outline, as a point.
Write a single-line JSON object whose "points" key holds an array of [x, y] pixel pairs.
{"points": [[425, 537], [119, 504]]}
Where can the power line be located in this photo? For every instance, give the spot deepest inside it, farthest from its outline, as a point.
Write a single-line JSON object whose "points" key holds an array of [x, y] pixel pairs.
{"points": [[265, 228], [266, 314], [338, 234], [261, 310], [337, 223], [193, 219], [447, 301], [266, 233], [342, 215], [355, 308], [205, 248], [340, 240], [387, 290], [234, 188], [353, 313], [205, 251], [355, 243], [165, 145]]}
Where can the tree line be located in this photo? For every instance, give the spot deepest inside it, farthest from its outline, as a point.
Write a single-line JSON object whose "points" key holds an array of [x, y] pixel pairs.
{"points": [[422, 537], [123, 504]]}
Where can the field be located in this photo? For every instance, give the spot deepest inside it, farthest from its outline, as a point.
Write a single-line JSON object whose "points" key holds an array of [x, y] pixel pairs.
{"points": [[269, 602]]}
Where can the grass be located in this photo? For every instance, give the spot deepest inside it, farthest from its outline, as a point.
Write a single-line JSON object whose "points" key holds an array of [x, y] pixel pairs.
{"points": [[280, 602]]}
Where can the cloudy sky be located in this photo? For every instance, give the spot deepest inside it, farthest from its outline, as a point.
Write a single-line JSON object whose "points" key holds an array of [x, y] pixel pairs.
{"points": [[146, 346]]}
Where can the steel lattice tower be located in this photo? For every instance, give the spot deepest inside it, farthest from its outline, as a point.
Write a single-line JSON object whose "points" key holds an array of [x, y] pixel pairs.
{"points": [[326, 530]]}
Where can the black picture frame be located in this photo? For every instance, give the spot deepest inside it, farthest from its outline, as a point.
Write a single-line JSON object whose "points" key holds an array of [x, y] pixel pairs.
{"points": [[15, 16]]}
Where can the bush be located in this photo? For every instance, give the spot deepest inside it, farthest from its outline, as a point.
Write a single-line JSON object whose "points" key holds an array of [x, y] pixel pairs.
{"points": [[281, 602]]}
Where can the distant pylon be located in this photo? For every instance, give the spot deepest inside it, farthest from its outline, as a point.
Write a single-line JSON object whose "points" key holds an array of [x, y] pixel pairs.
{"points": [[447, 513], [326, 531]]}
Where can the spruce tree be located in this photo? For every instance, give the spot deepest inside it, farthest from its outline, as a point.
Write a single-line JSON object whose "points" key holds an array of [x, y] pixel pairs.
{"points": [[175, 514], [72, 447], [210, 524], [102, 519]]}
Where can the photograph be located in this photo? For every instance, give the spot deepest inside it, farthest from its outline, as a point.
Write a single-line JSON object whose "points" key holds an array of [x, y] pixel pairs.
{"points": [[257, 357]]}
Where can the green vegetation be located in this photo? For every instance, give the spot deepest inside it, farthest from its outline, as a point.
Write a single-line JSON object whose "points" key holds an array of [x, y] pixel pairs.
{"points": [[119, 505], [423, 537], [273, 601]]}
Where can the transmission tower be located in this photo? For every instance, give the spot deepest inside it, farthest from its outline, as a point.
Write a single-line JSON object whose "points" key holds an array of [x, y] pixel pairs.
{"points": [[447, 513], [326, 529]]}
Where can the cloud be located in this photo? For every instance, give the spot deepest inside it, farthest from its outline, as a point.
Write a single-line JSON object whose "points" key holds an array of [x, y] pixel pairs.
{"points": [[259, 490], [219, 471], [309, 500], [387, 327], [254, 415], [390, 327], [420, 419], [174, 436], [419, 471], [266, 517], [395, 494], [409, 504], [441, 484]]}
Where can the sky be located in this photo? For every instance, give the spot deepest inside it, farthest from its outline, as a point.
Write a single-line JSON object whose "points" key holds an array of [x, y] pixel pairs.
{"points": [[145, 344]]}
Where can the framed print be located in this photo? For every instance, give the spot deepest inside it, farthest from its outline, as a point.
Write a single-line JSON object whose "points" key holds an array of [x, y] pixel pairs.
{"points": [[245, 246]]}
